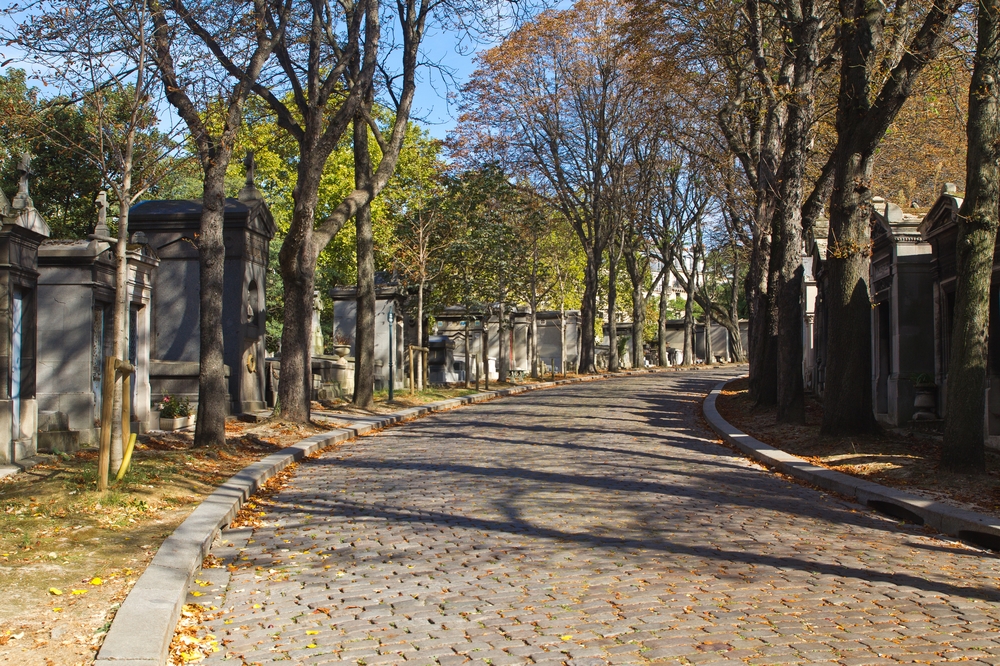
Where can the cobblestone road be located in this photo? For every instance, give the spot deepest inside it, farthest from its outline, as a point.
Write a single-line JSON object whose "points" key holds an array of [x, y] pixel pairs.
{"points": [[591, 524]]}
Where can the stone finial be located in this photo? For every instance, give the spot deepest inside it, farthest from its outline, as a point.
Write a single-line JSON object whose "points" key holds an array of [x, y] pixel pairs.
{"points": [[102, 214], [22, 199], [250, 191], [949, 188]]}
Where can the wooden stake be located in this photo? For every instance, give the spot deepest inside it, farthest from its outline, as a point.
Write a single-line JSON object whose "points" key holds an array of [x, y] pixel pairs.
{"points": [[107, 411], [412, 374]]}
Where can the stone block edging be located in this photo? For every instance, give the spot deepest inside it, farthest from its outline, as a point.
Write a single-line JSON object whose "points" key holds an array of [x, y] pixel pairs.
{"points": [[976, 528], [144, 625]]}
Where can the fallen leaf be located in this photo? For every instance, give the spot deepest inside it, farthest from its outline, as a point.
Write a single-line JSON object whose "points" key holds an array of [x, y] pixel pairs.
{"points": [[55, 590]]}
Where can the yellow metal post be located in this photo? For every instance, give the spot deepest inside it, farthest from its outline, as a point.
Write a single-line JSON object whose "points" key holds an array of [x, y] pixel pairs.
{"points": [[107, 411]]}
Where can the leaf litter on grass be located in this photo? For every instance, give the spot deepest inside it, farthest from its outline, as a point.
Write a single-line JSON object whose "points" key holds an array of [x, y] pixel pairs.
{"points": [[57, 532], [904, 460]]}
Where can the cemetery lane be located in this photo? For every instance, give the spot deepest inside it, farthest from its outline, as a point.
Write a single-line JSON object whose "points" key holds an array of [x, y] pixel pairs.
{"points": [[596, 523]]}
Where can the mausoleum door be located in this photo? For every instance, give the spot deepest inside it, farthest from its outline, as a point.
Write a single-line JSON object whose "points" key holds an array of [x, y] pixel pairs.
{"points": [[133, 355], [883, 357], [16, 347], [97, 357]]}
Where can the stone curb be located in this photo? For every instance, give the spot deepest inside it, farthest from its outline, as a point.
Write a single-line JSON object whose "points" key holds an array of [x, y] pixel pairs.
{"points": [[144, 625], [975, 528]]}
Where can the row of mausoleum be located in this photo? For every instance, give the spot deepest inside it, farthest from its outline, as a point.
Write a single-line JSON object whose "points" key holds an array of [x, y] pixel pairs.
{"points": [[56, 309], [912, 291]]}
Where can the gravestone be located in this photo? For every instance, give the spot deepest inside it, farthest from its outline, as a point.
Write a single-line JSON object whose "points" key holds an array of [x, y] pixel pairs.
{"points": [[22, 230], [76, 291], [172, 228]]}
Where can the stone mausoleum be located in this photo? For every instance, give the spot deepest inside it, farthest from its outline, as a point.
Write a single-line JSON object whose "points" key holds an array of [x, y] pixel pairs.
{"points": [[76, 290], [22, 229], [171, 228], [902, 283]]}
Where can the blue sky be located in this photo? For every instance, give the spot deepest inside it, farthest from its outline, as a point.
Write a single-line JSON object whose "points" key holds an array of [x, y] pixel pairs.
{"points": [[431, 107]]}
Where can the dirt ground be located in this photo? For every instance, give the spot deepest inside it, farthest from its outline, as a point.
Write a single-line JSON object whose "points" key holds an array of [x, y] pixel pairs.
{"points": [[69, 555], [902, 459]]}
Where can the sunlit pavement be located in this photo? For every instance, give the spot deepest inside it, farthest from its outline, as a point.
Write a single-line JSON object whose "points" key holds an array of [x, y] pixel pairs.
{"points": [[591, 524]]}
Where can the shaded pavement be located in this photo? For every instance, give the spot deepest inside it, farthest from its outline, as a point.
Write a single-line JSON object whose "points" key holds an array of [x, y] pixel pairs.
{"points": [[590, 524]]}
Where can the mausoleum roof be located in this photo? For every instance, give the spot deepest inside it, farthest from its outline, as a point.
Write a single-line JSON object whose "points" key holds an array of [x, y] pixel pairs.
{"points": [[166, 214]]}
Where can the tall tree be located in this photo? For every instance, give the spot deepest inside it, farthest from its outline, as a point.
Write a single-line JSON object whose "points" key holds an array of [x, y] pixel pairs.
{"points": [[557, 102], [329, 65], [243, 37], [964, 437]]}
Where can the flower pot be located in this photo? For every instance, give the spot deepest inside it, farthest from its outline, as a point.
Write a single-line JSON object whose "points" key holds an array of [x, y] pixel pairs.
{"points": [[925, 402], [340, 351], [179, 423]]}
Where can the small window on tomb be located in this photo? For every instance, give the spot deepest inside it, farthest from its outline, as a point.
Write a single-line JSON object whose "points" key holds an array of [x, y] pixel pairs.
{"points": [[253, 303], [97, 352]]}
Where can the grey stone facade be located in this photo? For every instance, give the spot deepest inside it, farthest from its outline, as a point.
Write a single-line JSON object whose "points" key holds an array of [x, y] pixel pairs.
{"points": [[76, 289], [22, 230], [345, 315], [902, 286], [171, 228]]}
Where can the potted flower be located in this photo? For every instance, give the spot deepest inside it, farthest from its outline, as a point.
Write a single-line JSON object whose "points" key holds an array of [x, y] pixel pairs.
{"points": [[341, 345], [925, 397], [175, 413]]}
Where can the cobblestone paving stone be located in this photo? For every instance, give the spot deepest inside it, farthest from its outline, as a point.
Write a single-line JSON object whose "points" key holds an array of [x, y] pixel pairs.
{"points": [[592, 524]]}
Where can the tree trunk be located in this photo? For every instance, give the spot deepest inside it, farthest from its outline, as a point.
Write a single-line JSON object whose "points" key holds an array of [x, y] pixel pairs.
{"points": [[588, 313], [636, 274], [120, 321], [562, 335], [661, 321], [735, 335], [847, 400], [963, 448], [790, 389], [364, 353], [417, 373], [533, 345], [503, 346], [213, 396], [485, 351], [709, 350], [689, 331], [613, 361], [767, 374], [760, 384], [298, 272], [468, 349]]}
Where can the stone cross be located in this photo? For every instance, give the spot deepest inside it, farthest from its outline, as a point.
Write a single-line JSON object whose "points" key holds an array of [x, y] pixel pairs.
{"points": [[317, 343], [102, 214], [250, 165], [249, 191], [23, 199]]}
